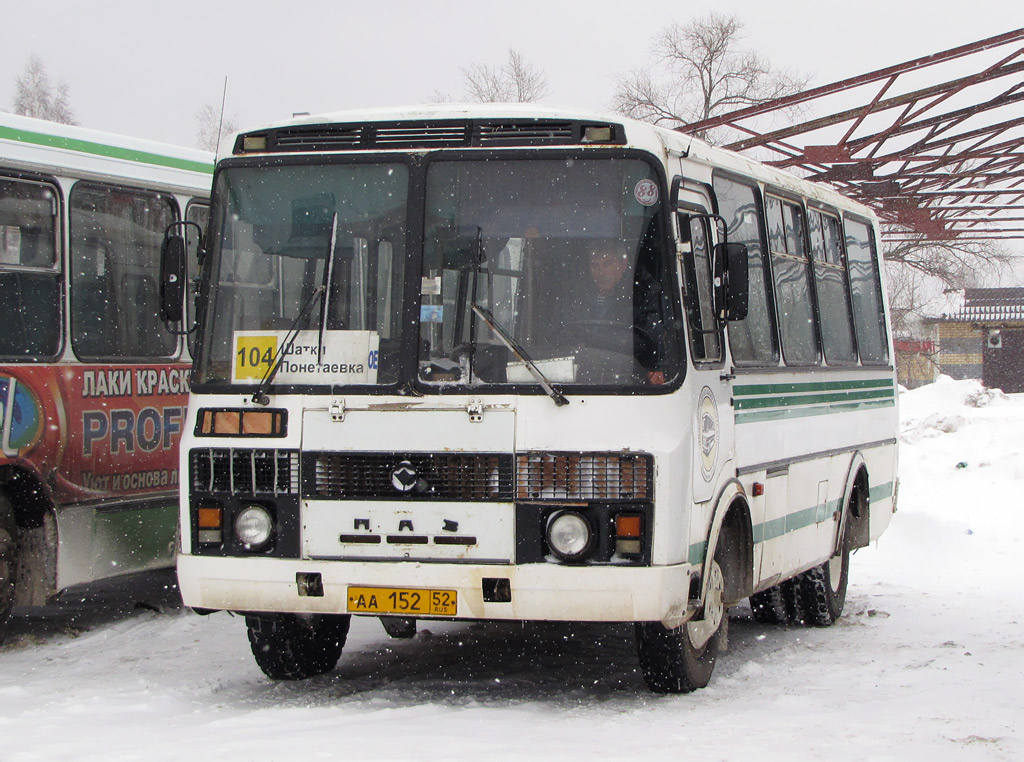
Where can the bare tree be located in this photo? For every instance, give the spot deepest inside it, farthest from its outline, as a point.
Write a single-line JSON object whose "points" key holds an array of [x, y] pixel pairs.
{"points": [[515, 81], [36, 96], [211, 127], [701, 72], [954, 263]]}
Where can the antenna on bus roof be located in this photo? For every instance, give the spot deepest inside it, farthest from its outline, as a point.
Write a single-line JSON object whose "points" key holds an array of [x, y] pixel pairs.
{"points": [[223, 100]]}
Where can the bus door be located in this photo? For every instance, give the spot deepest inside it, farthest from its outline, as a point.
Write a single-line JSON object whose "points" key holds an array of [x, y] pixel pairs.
{"points": [[711, 416]]}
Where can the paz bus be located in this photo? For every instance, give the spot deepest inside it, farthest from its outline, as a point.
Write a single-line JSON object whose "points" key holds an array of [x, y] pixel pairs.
{"points": [[507, 363], [93, 388]]}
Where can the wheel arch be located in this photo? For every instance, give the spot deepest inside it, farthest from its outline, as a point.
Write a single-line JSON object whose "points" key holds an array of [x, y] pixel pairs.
{"points": [[731, 538], [856, 497]]}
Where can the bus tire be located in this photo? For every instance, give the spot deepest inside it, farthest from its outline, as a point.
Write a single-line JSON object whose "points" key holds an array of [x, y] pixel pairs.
{"points": [[290, 647], [670, 659], [8, 560], [823, 588], [769, 606]]}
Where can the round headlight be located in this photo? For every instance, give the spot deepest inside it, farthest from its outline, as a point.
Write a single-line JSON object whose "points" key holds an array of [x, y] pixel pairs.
{"points": [[569, 535], [254, 526]]}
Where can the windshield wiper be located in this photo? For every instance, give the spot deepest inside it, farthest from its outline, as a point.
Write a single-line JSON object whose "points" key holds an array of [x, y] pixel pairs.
{"points": [[519, 352], [259, 397], [328, 275]]}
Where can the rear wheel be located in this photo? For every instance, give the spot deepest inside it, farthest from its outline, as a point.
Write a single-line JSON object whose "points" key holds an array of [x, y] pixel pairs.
{"points": [[681, 659], [823, 588], [769, 606], [8, 560], [293, 647]]}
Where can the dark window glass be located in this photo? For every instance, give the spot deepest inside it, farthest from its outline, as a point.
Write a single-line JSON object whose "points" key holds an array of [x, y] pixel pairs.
{"points": [[752, 340], [700, 308], [866, 289], [830, 284], [116, 234], [30, 293], [792, 270]]}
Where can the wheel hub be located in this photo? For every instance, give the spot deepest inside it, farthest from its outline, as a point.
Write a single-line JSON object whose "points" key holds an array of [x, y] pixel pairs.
{"points": [[700, 630]]}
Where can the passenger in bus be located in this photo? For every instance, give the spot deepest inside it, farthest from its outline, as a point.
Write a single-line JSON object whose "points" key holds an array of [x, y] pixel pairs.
{"points": [[610, 301]]}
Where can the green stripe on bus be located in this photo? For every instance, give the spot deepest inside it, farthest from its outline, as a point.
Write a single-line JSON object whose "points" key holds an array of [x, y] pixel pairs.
{"points": [[749, 390], [812, 399], [791, 522], [101, 149], [804, 412]]}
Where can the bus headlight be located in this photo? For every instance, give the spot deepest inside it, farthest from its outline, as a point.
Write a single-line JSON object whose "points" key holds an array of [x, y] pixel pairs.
{"points": [[254, 526], [569, 535]]}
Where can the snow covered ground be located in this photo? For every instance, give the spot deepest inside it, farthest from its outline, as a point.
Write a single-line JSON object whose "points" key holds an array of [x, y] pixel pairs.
{"points": [[928, 661]]}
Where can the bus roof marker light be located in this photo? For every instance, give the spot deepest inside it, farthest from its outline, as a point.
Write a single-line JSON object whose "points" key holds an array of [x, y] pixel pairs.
{"points": [[254, 143], [597, 134]]}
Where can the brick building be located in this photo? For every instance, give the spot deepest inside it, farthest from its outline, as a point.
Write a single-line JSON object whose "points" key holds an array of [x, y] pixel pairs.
{"points": [[984, 338]]}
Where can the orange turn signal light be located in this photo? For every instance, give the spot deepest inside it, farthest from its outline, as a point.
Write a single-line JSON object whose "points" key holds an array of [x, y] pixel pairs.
{"points": [[210, 518], [628, 525]]}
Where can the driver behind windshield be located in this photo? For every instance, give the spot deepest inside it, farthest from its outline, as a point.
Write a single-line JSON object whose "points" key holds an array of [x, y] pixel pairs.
{"points": [[611, 300]]}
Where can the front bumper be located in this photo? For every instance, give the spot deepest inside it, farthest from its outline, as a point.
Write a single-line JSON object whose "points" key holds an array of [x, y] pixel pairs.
{"points": [[538, 591]]}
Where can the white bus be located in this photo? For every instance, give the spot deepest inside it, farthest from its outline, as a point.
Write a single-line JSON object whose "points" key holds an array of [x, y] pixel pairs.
{"points": [[93, 387], [507, 363]]}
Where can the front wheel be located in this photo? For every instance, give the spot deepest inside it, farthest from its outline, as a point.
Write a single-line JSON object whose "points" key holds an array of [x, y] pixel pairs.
{"points": [[294, 647], [681, 659]]}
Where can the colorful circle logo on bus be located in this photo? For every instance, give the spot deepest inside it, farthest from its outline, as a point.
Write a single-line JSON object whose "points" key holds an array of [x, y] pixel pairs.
{"points": [[21, 416], [707, 433]]}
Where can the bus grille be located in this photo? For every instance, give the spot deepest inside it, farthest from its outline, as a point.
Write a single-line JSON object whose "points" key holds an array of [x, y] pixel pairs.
{"points": [[583, 476], [244, 472], [408, 476]]}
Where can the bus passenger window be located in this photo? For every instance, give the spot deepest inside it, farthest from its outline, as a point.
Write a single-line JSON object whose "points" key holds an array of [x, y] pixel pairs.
{"points": [[866, 290], [830, 285], [30, 292], [115, 267], [792, 271]]}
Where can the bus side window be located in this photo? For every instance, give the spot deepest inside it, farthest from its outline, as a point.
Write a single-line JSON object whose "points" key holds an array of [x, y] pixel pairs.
{"points": [[866, 289], [792, 271], [705, 334], [830, 285], [30, 292], [115, 238], [752, 340]]}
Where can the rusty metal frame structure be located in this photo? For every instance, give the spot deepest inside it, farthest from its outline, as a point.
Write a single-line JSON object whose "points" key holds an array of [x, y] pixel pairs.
{"points": [[939, 157]]}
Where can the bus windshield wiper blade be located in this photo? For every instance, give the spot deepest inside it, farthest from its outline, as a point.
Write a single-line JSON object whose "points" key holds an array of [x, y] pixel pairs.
{"points": [[259, 397], [519, 352]]}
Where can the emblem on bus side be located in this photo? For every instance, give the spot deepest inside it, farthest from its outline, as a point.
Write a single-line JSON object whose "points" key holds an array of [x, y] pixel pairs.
{"points": [[707, 433]]}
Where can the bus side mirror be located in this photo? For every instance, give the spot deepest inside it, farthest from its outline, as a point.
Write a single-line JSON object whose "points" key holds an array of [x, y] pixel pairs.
{"points": [[172, 279], [735, 293]]}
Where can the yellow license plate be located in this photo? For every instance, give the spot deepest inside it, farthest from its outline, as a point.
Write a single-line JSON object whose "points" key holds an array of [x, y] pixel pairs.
{"points": [[402, 601]]}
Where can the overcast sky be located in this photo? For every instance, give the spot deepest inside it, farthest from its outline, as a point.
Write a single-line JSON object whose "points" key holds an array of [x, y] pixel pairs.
{"points": [[145, 68]]}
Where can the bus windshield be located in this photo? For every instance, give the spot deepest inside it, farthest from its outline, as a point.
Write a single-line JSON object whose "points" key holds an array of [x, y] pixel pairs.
{"points": [[272, 241], [564, 256]]}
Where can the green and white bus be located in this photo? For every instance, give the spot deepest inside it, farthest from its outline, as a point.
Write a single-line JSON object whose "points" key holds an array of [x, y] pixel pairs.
{"points": [[509, 363], [93, 388]]}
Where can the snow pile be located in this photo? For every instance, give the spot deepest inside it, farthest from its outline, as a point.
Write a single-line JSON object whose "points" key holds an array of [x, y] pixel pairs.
{"points": [[927, 662]]}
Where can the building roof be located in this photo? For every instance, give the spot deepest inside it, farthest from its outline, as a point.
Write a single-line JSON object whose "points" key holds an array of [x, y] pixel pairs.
{"points": [[988, 305]]}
